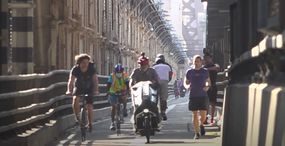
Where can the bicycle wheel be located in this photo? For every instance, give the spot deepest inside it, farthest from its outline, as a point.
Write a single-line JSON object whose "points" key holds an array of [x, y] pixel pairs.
{"points": [[147, 129], [121, 114], [118, 120], [83, 123]]}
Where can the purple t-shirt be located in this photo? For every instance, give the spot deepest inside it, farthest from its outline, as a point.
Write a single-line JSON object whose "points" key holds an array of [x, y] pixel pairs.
{"points": [[197, 80]]}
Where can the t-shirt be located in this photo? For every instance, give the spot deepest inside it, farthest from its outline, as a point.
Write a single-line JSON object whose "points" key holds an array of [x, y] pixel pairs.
{"points": [[84, 80], [212, 73], [162, 71], [125, 77], [170, 77], [148, 75], [118, 84], [197, 80]]}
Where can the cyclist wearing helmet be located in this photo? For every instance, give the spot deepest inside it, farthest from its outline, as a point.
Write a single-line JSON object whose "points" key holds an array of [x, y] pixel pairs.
{"points": [[117, 83], [144, 73]]}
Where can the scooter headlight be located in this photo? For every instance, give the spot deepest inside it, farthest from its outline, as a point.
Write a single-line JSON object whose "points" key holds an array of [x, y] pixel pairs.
{"points": [[145, 110]]}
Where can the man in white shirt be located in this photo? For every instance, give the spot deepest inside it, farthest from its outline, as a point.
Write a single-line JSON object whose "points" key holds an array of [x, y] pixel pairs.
{"points": [[164, 72]]}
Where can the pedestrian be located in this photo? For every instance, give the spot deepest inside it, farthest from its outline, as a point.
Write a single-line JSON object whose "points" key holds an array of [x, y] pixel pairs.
{"points": [[212, 92], [164, 73], [198, 81]]}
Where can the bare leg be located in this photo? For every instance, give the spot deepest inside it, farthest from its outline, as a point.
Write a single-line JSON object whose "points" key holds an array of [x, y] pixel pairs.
{"points": [[195, 121], [113, 112], [125, 99], [203, 114], [76, 106], [90, 113], [213, 109]]}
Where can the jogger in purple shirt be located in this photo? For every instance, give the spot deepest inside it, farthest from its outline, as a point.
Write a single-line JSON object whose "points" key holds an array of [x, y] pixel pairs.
{"points": [[199, 82]]}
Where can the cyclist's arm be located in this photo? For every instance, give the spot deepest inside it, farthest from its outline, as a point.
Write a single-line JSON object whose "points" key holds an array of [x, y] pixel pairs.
{"points": [[109, 83], [70, 84]]}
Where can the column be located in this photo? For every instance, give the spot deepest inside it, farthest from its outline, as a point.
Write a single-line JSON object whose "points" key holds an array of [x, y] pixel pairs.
{"points": [[21, 37], [4, 37]]}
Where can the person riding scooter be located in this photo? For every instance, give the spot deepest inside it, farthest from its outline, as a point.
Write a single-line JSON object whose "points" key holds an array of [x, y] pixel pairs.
{"points": [[145, 73]]}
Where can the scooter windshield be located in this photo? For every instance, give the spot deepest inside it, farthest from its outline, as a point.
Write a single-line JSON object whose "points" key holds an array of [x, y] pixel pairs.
{"points": [[143, 91]]}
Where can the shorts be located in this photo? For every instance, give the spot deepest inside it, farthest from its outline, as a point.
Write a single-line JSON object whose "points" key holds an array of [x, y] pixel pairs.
{"points": [[163, 90], [212, 94], [198, 103], [113, 99], [78, 91]]}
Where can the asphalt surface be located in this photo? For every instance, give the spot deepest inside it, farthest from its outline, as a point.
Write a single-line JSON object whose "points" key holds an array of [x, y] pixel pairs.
{"points": [[176, 131]]}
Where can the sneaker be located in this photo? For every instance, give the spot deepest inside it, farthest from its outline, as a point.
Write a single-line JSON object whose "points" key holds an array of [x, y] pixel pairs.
{"points": [[197, 136], [125, 112], [202, 130], [112, 127], [164, 117]]}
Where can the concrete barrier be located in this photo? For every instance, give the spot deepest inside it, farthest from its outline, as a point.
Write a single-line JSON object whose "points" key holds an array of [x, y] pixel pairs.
{"points": [[42, 135], [275, 134], [254, 115], [260, 115], [235, 119]]}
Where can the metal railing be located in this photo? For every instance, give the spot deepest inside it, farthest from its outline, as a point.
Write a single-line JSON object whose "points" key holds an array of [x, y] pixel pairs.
{"points": [[29, 101]]}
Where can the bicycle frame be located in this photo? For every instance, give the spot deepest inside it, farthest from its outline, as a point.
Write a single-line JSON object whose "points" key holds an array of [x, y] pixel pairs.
{"points": [[119, 114], [83, 116]]}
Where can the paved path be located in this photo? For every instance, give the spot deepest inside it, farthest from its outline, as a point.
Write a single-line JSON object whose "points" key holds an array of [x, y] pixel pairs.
{"points": [[174, 132]]}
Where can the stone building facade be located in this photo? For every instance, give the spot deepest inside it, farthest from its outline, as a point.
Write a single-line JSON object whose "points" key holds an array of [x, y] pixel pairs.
{"points": [[38, 36]]}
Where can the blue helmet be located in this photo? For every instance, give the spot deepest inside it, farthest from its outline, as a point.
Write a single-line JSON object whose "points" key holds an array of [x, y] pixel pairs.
{"points": [[119, 68]]}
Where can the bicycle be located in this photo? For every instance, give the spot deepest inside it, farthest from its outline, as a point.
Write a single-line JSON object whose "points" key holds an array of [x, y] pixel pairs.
{"points": [[83, 116], [119, 114]]}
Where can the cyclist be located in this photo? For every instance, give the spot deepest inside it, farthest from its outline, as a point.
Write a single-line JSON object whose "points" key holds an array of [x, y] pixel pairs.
{"points": [[83, 80], [117, 83]]}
